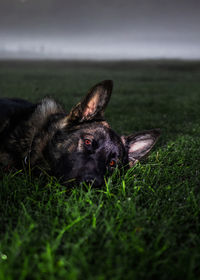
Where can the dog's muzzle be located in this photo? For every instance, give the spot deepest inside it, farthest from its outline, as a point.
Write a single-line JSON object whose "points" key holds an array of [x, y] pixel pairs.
{"points": [[91, 180]]}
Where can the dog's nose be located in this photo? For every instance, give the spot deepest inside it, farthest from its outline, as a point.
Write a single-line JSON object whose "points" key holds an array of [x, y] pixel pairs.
{"points": [[95, 181], [89, 179]]}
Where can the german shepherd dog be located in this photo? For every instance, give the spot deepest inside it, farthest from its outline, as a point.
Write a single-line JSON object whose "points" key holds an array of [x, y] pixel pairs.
{"points": [[78, 146]]}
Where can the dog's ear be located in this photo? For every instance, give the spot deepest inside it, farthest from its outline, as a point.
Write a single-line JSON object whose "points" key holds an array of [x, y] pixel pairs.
{"points": [[139, 145], [93, 105]]}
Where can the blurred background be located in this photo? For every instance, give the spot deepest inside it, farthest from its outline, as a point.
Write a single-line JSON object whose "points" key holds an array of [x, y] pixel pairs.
{"points": [[99, 29]]}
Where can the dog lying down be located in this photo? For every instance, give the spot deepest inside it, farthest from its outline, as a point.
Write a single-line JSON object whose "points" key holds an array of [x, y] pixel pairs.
{"points": [[78, 146]]}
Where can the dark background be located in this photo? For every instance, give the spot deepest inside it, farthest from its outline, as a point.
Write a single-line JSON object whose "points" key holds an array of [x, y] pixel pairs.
{"points": [[114, 29]]}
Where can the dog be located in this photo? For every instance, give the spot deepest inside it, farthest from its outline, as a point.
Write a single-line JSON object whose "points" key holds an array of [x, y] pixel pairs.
{"points": [[79, 146]]}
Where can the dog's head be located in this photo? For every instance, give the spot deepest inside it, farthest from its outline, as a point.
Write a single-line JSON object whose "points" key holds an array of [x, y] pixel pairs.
{"points": [[85, 148]]}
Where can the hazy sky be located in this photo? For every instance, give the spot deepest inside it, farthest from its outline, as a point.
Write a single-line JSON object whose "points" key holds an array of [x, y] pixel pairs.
{"points": [[100, 29]]}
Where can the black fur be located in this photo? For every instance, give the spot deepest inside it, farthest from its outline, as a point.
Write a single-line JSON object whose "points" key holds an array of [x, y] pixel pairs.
{"points": [[79, 146]]}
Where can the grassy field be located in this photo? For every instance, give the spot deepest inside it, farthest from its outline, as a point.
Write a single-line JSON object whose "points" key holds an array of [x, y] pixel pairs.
{"points": [[143, 224]]}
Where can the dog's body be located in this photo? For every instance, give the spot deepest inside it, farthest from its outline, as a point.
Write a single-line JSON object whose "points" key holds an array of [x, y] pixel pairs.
{"points": [[80, 145]]}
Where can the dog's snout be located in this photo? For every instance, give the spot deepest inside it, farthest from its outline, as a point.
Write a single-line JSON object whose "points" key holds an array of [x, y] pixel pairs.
{"points": [[96, 181], [89, 179]]}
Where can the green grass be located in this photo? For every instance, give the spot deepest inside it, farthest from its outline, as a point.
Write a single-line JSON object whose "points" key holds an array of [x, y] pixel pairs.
{"points": [[143, 224]]}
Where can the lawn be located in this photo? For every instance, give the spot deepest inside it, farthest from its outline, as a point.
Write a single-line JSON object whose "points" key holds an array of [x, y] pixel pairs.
{"points": [[143, 223]]}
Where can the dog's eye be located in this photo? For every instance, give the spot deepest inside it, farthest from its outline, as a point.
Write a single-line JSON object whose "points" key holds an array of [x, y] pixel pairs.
{"points": [[87, 142], [112, 163]]}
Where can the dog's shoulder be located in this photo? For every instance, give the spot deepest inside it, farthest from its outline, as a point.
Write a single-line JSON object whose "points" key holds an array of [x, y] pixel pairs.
{"points": [[44, 110], [15, 112], [47, 107]]}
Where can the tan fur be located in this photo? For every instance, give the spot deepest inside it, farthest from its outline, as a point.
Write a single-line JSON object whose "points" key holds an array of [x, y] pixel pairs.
{"points": [[91, 106]]}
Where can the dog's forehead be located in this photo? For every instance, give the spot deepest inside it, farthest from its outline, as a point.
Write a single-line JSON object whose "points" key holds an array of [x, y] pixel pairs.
{"points": [[102, 131], [97, 129]]}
